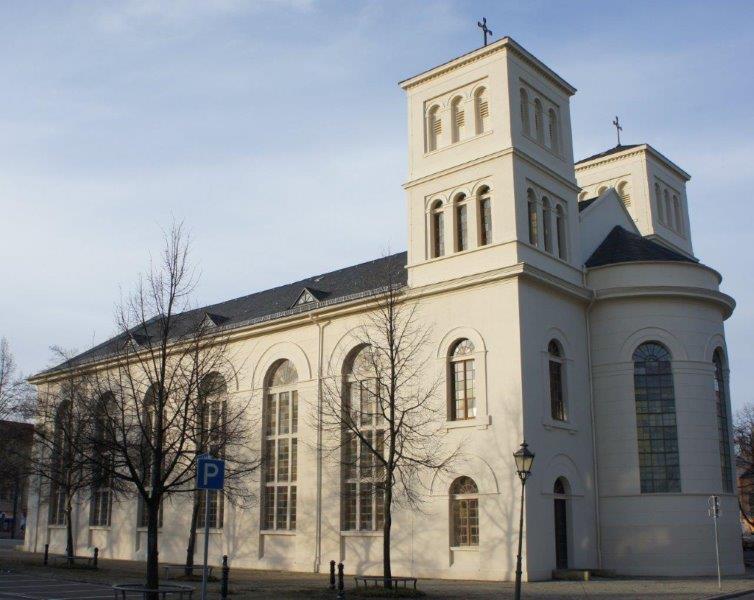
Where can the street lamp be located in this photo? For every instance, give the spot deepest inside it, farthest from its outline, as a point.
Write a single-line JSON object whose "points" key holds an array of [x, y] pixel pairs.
{"points": [[524, 459]]}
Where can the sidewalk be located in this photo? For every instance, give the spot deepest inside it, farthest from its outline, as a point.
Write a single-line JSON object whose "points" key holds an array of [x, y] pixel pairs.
{"points": [[278, 585]]}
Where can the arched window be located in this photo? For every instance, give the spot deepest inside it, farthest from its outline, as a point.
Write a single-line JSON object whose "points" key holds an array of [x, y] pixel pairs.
{"points": [[101, 494], [482, 110], [146, 453], [457, 119], [561, 490], [531, 201], [438, 230], [539, 121], [583, 196], [464, 510], [557, 395], [560, 228], [463, 401], [723, 426], [624, 193], [62, 460], [363, 472], [658, 199], [461, 209], [678, 215], [552, 125], [547, 224], [654, 393], [434, 128], [601, 190], [668, 209], [484, 204], [210, 434], [525, 122], [280, 448]]}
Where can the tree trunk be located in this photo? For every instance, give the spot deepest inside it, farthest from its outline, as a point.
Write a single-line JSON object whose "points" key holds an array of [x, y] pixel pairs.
{"points": [[69, 531], [191, 547], [386, 570], [153, 574], [16, 494]]}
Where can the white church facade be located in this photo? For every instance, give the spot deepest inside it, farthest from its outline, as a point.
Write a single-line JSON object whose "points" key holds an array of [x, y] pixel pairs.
{"points": [[567, 309]]}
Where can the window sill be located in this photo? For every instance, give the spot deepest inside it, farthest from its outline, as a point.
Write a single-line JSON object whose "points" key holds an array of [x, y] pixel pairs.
{"points": [[49, 526], [212, 531], [464, 548], [544, 147], [478, 422], [100, 527], [551, 424], [362, 533], [145, 529], [277, 532], [476, 136]]}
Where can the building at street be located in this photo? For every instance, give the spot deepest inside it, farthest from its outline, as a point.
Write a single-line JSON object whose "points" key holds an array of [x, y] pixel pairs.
{"points": [[567, 308]]}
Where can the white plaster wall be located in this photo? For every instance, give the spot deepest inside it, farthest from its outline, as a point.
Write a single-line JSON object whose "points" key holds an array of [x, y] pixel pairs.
{"points": [[598, 219]]}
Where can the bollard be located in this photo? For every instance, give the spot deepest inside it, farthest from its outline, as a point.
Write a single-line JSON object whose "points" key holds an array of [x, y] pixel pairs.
{"points": [[226, 573], [332, 574], [47, 553], [96, 557], [341, 591]]}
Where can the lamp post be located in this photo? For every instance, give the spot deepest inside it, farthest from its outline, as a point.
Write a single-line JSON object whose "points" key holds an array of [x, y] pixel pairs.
{"points": [[524, 459]]}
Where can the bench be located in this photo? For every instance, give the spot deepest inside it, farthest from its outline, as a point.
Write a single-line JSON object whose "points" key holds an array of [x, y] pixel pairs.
{"points": [[181, 569], [124, 591], [378, 580]]}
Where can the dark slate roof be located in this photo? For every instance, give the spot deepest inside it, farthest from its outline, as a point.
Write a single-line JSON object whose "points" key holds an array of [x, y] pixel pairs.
{"points": [[583, 204], [331, 288], [615, 150], [622, 246]]}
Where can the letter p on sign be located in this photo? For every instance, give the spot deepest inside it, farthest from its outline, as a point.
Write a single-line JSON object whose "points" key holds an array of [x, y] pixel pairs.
{"points": [[210, 473]]}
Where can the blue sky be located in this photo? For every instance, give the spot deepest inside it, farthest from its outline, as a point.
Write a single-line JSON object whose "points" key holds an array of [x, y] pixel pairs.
{"points": [[277, 132]]}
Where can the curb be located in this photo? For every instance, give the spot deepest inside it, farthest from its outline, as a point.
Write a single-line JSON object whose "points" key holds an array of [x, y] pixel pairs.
{"points": [[737, 594]]}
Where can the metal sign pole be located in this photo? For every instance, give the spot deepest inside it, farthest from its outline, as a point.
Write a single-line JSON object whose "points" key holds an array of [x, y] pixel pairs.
{"points": [[206, 543], [714, 512]]}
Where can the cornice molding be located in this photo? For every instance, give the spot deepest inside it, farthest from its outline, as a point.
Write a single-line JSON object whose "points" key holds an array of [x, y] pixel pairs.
{"points": [[723, 301]]}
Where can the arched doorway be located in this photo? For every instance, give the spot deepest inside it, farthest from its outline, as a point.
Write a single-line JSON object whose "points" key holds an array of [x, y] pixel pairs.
{"points": [[560, 489]]}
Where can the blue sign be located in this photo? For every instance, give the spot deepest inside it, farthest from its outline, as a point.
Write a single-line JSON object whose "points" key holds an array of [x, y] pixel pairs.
{"points": [[210, 473]]}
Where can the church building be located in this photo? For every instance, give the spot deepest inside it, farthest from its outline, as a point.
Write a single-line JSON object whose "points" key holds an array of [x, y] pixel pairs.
{"points": [[568, 309]]}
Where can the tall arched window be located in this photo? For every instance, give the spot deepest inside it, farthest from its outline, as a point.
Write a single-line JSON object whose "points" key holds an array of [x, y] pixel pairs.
{"points": [[485, 216], [363, 495], [658, 199], [723, 426], [464, 510], [561, 490], [146, 453], [539, 125], [461, 209], [211, 426], [434, 128], [280, 448], [601, 190], [555, 367], [654, 392], [624, 193], [583, 196], [678, 215], [463, 401], [457, 119], [560, 228], [668, 209], [525, 122], [101, 494], [482, 110], [547, 224], [531, 201], [62, 460], [438, 230], [552, 125]]}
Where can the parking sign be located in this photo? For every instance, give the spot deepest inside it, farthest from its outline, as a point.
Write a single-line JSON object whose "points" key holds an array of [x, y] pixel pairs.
{"points": [[210, 473]]}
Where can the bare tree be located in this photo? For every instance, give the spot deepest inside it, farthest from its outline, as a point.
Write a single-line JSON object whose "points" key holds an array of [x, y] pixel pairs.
{"points": [[12, 385], [154, 404], [61, 435], [383, 416], [743, 439]]}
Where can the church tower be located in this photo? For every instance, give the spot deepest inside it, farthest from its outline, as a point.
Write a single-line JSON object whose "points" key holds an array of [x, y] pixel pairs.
{"points": [[491, 179]]}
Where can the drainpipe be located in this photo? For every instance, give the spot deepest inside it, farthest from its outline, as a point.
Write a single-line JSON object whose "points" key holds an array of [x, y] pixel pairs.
{"points": [[598, 525], [318, 509]]}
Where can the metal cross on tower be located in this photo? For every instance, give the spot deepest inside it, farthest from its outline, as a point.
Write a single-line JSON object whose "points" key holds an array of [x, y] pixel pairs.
{"points": [[618, 128], [485, 31]]}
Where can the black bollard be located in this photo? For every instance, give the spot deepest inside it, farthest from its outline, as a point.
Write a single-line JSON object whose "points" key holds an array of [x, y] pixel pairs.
{"points": [[96, 557], [332, 574], [47, 553], [226, 574], [341, 591]]}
